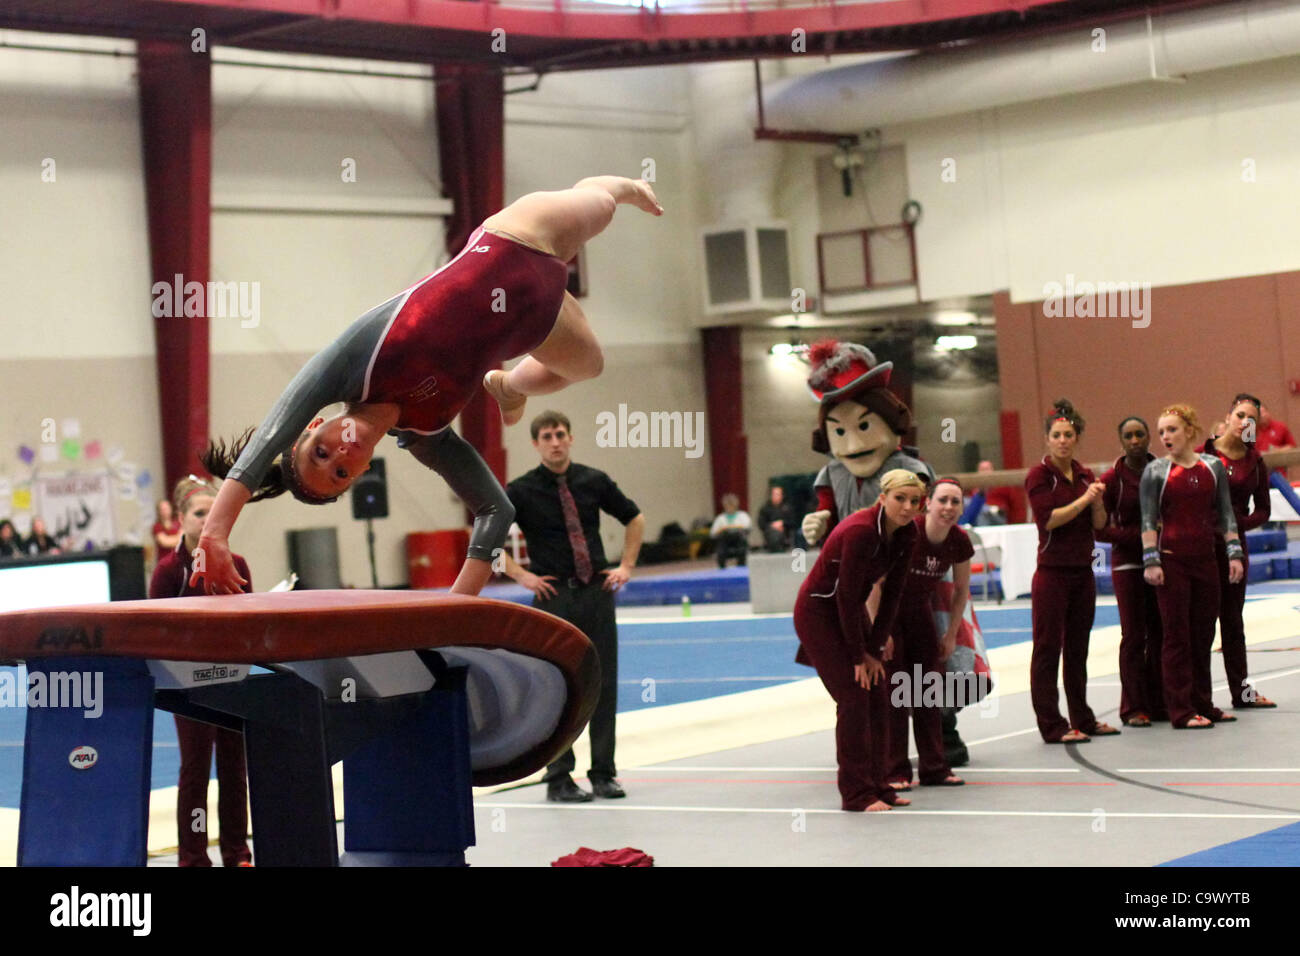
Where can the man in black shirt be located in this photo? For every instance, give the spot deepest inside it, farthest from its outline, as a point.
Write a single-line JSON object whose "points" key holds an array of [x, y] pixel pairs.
{"points": [[557, 507]]}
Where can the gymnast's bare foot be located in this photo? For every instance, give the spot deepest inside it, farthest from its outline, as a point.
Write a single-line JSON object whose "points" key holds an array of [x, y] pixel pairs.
{"points": [[880, 806], [512, 405]]}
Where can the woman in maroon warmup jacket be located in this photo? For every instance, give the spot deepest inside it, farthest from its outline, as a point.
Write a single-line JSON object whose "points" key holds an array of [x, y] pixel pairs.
{"points": [[837, 636], [193, 498], [1065, 499], [917, 647], [1185, 506], [1141, 698], [1247, 480]]}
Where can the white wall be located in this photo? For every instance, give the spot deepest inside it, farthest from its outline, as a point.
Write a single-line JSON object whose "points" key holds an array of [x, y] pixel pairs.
{"points": [[73, 252], [1141, 183], [77, 332]]}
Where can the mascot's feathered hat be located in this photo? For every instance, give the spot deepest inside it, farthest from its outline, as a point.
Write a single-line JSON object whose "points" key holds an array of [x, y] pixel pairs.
{"points": [[844, 372]]}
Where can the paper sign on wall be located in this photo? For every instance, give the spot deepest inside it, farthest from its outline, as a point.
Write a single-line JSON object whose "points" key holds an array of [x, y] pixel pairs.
{"points": [[78, 505]]}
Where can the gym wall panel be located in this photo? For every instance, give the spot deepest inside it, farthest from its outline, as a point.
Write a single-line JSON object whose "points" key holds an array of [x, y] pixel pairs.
{"points": [[1206, 342], [73, 247], [1141, 183], [320, 142]]}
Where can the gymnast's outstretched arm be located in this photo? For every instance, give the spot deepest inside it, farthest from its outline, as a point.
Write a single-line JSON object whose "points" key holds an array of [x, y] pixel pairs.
{"points": [[470, 478]]}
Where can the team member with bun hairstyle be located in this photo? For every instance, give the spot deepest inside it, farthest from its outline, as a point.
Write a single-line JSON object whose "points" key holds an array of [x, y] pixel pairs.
{"points": [[940, 545], [1247, 480], [846, 645], [1185, 506], [1065, 500], [193, 498], [1141, 693], [411, 364]]}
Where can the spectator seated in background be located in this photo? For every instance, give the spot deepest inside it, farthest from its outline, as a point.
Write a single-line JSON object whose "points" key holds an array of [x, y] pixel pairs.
{"points": [[40, 541], [11, 545], [731, 532], [776, 521]]}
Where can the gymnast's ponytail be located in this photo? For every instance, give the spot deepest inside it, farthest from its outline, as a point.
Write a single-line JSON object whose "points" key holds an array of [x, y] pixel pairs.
{"points": [[218, 458], [1062, 409]]}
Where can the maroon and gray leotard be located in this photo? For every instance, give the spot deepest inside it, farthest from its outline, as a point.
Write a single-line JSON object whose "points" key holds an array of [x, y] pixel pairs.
{"points": [[1188, 506], [426, 350]]}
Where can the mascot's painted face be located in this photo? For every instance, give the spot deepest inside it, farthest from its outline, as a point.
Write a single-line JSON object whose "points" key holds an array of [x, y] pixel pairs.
{"points": [[859, 438]]}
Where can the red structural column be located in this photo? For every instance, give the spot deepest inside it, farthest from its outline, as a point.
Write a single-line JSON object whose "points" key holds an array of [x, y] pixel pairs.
{"points": [[176, 127], [723, 381], [471, 149]]}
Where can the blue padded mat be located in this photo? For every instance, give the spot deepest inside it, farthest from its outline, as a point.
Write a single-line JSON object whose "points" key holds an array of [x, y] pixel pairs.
{"points": [[1277, 847]]}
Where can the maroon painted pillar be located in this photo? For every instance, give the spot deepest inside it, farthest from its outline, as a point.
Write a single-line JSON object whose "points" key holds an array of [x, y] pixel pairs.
{"points": [[471, 149], [728, 449], [176, 127]]}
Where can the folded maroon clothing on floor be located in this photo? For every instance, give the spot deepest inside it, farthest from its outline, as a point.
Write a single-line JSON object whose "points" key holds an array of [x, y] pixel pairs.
{"points": [[628, 856]]}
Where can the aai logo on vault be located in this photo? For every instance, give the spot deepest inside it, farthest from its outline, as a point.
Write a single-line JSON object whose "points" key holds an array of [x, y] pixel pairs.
{"points": [[83, 758]]}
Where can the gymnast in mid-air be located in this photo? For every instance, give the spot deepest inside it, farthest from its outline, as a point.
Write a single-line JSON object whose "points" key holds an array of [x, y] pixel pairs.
{"points": [[408, 366]]}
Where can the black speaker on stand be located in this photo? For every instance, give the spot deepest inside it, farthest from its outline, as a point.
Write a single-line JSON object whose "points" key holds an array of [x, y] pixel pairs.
{"points": [[370, 501]]}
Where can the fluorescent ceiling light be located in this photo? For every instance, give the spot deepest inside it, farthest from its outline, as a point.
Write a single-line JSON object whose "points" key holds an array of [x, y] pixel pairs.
{"points": [[949, 343]]}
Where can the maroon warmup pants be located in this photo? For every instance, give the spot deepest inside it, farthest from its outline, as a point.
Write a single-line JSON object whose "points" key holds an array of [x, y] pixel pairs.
{"points": [[1064, 602], [196, 743], [1189, 604], [861, 716], [1139, 647], [915, 644], [1232, 633]]}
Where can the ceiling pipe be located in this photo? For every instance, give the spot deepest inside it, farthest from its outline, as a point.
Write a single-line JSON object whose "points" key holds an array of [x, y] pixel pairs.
{"points": [[793, 136], [983, 76]]}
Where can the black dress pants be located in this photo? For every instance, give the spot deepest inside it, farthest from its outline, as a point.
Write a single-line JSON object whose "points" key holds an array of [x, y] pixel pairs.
{"points": [[590, 608]]}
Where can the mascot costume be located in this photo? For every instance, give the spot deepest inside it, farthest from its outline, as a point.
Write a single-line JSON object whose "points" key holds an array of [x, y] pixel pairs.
{"points": [[860, 424]]}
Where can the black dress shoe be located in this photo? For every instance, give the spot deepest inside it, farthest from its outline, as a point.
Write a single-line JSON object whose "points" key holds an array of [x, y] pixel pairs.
{"points": [[566, 791], [608, 789]]}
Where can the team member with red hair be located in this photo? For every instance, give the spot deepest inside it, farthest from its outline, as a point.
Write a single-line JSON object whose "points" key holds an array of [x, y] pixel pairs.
{"points": [[940, 545], [1065, 499], [846, 645], [1185, 507], [1247, 480], [1141, 695]]}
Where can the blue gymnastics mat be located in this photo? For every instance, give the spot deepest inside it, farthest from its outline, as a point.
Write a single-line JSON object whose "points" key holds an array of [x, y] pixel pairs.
{"points": [[1279, 847]]}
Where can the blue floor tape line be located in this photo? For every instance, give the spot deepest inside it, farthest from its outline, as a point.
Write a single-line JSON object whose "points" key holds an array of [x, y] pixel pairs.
{"points": [[1278, 847]]}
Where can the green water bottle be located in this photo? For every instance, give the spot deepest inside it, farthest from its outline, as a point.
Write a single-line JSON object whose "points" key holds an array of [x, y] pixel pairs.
{"points": [[686, 606]]}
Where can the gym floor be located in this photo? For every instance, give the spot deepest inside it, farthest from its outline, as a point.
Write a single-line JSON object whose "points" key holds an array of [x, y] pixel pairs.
{"points": [[1225, 796], [728, 758]]}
